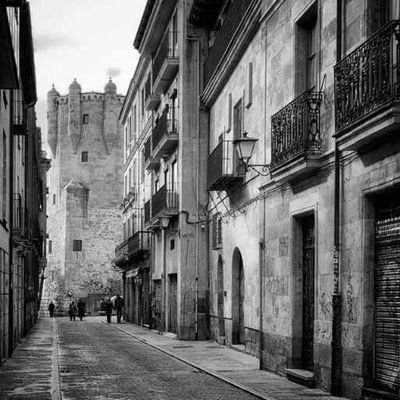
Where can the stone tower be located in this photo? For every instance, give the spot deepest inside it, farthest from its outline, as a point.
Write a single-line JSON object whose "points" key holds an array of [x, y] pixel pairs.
{"points": [[85, 186]]}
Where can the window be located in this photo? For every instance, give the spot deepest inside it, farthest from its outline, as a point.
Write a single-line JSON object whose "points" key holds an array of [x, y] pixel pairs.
{"points": [[142, 102], [156, 185], [229, 124], [172, 244], [378, 14], [77, 245], [54, 199], [5, 101], [134, 120], [306, 51], [85, 119], [142, 165], [84, 156], [250, 86], [238, 120], [50, 246], [216, 231], [4, 178]]}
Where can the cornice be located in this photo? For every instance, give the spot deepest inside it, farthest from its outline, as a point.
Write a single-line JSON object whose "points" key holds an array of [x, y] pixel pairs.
{"points": [[234, 51]]}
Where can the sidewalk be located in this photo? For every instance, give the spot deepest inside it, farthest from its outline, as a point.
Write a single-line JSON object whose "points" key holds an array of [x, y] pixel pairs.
{"points": [[228, 364]]}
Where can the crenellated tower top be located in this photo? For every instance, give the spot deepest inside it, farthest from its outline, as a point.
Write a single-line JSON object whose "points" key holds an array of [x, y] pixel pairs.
{"points": [[72, 108]]}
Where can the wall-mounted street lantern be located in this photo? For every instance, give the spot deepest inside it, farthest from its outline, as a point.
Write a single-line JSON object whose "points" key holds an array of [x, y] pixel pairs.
{"points": [[164, 222], [245, 148]]}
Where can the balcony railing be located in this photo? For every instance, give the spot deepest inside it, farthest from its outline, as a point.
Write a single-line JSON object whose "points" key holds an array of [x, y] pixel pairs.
{"points": [[165, 62], [122, 249], [19, 114], [296, 130], [164, 127], [165, 201], [223, 169], [20, 226], [138, 245], [368, 79]]}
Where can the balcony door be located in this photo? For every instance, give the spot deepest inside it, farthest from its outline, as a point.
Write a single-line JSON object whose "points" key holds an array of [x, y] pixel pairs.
{"points": [[306, 75], [308, 292], [379, 13]]}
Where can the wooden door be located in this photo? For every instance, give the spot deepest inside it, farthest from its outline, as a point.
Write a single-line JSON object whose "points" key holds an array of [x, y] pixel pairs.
{"points": [[308, 293]]}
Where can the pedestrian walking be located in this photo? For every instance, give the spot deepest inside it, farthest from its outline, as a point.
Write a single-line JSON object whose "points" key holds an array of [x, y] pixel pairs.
{"points": [[108, 308], [51, 309], [72, 311], [81, 309], [119, 305]]}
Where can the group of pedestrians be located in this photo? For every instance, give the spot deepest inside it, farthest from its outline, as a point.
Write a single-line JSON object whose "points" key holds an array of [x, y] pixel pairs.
{"points": [[118, 305], [79, 309]]}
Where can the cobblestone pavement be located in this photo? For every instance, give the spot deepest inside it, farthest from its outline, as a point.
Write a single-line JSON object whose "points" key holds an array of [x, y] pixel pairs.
{"points": [[65, 360], [99, 362]]}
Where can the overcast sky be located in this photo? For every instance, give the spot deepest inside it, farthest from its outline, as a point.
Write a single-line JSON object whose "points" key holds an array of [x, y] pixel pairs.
{"points": [[90, 40]]}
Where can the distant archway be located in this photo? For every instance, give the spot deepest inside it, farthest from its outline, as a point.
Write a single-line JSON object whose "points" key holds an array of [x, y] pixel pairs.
{"points": [[238, 296]]}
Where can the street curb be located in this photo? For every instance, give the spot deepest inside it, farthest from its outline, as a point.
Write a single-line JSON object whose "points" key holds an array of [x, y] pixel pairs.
{"points": [[212, 373], [55, 369]]}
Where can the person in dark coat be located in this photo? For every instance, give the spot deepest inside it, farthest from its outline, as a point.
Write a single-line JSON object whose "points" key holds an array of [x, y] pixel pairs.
{"points": [[108, 308], [81, 309], [72, 311], [119, 305], [51, 309]]}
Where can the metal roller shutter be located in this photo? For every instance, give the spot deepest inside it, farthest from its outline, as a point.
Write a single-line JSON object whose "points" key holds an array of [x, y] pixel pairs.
{"points": [[387, 294]]}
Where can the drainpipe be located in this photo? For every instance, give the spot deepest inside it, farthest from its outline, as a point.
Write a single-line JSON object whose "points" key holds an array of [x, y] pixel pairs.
{"points": [[164, 279], [11, 210], [336, 346]]}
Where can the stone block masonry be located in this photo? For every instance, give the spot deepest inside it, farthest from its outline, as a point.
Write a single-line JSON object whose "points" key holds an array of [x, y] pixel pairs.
{"points": [[85, 190]]}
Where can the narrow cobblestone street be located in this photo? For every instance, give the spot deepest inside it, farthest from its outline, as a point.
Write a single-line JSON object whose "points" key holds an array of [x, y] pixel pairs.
{"points": [[64, 360], [97, 361]]}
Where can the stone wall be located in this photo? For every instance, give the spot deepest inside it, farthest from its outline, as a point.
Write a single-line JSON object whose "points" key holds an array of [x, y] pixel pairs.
{"points": [[86, 194]]}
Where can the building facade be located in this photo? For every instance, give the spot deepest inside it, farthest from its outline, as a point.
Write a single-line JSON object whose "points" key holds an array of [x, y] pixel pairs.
{"points": [[22, 177], [302, 234], [304, 238], [170, 182], [85, 182]]}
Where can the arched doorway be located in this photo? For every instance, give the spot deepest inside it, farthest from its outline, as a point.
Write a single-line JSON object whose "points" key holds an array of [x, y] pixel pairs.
{"points": [[238, 296], [220, 299]]}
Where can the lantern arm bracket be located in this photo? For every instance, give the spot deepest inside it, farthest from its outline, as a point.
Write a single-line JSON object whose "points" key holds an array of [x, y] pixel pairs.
{"points": [[260, 169]]}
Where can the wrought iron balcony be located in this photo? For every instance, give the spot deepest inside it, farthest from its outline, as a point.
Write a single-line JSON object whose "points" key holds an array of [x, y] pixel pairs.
{"points": [[148, 160], [121, 254], [164, 203], [296, 137], [165, 63], [139, 245], [367, 90], [165, 135], [223, 169], [20, 225], [152, 100], [19, 120]]}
